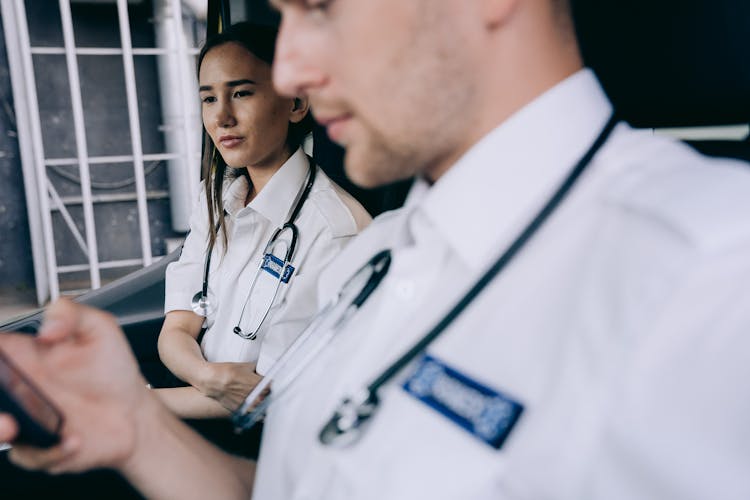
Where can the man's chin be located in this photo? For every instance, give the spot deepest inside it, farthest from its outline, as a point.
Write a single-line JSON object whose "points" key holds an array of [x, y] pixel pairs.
{"points": [[363, 181], [363, 172], [375, 166]]}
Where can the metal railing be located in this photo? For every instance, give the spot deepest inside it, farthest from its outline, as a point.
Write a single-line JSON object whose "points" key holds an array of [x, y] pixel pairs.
{"points": [[42, 197]]}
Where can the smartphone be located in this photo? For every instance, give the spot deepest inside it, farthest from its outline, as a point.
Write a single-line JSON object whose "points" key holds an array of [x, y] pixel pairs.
{"points": [[39, 421]]}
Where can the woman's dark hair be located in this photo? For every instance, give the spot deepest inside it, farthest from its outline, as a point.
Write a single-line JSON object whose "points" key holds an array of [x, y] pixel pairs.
{"points": [[259, 40]]}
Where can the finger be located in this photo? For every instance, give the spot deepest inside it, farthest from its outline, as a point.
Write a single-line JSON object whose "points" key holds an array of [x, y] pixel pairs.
{"points": [[59, 322], [8, 428], [66, 319], [50, 459], [18, 350]]}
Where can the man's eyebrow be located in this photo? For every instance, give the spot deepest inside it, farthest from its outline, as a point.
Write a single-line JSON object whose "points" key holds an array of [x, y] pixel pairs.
{"points": [[277, 4], [232, 83]]}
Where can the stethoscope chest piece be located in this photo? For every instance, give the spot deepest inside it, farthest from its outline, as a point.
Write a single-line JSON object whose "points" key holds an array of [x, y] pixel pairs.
{"points": [[201, 304], [348, 422]]}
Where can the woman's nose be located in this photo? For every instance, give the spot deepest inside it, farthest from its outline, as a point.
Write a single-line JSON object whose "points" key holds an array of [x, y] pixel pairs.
{"points": [[224, 115]]}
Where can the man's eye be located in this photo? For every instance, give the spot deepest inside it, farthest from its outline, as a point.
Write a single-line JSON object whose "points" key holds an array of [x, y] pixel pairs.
{"points": [[319, 5], [242, 93]]}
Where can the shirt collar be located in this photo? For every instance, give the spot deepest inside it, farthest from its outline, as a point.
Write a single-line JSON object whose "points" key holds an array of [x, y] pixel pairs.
{"points": [[486, 199], [276, 199]]}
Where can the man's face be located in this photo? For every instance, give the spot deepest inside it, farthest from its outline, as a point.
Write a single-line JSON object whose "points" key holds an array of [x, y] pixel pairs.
{"points": [[385, 77]]}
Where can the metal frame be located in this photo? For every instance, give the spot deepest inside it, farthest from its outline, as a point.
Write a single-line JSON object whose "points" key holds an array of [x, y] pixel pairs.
{"points": [[92, 251], [218, 16], [177, 84], [184, 91], [30, 140], [43, 199], [135, 129]]}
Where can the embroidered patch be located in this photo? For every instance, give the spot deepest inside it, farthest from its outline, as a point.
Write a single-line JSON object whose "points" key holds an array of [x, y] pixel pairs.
{"points": [[273, 266], [483, 412]]}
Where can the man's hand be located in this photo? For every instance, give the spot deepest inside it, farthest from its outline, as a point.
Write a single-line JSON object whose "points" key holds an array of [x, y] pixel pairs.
{"points": [[229, 383], [82, 362]]}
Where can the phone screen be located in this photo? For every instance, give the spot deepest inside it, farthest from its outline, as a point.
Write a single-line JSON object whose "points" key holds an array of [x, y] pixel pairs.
{"points": [[38, 419]]}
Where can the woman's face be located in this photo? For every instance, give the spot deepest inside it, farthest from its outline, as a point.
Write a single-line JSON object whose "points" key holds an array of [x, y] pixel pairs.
{"points": [[245, 118]]}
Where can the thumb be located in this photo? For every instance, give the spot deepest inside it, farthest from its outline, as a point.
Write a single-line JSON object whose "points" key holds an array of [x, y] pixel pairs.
{"points": [[65, 319]]}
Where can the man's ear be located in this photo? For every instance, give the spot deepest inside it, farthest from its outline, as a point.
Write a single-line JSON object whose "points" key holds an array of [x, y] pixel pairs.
{"points": [[300, 108]]}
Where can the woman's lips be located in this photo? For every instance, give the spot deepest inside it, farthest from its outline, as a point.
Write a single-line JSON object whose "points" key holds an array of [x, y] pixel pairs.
{"points": [[230, 141]]}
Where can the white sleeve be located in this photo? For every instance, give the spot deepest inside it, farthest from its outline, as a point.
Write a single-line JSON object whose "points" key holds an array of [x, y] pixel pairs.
{"points": [[185, 277], [679, 423]]}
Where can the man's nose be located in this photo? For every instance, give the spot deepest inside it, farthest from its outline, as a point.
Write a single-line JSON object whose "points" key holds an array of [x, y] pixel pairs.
{"points": [[295, 68]]}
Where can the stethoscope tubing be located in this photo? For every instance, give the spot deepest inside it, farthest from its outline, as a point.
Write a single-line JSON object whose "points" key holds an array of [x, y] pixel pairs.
{"points": [[243, 418], [252, 335], [353, 412], [500, 263], [290, 225]]}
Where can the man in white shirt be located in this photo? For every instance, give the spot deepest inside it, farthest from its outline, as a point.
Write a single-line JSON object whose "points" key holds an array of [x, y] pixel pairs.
{"points": [[606, 359]]}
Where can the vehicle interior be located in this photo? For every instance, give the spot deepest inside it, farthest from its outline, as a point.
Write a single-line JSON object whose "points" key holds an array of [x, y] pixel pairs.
{"points": [[665, 64]]}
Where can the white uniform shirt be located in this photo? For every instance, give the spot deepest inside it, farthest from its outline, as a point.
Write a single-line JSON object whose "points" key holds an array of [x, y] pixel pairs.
{"points": [[623, 327], [326, 222]]}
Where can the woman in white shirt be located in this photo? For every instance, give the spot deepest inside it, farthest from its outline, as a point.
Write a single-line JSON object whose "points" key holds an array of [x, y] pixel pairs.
{"points": [[234, 278]]}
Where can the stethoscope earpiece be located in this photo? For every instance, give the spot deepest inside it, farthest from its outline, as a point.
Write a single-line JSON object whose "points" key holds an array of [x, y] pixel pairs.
{"points": [[250, 336]]}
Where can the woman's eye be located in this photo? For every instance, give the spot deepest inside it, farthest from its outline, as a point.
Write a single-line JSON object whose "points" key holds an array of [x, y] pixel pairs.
{"points": [[208, 99]]}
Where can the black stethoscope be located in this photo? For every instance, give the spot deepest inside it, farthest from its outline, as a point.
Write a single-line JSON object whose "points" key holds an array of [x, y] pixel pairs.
{"points": [[353, 413], [202, 303]]}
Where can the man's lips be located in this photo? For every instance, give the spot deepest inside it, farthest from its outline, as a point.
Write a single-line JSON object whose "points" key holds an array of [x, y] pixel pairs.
{"points": [[335, 126], [230, 141]]}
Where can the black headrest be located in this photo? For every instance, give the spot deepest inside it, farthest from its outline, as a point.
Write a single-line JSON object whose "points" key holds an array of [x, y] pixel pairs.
{"points": [[670, 63]]}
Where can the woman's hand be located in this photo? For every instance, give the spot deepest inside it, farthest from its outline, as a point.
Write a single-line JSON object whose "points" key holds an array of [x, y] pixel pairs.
{"points": [[228, 383]]}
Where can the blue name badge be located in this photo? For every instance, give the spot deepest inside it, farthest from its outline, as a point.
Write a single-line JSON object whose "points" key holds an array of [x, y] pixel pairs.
{"points": [[486, 414], [273, 266]]}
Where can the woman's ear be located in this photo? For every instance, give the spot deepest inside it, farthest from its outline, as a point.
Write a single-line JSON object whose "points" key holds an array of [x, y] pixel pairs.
{"points": [[300, 108]]}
